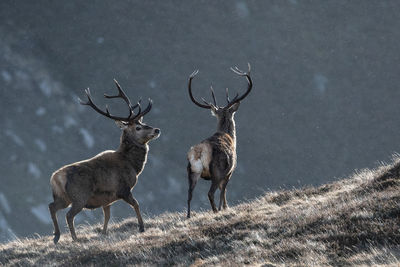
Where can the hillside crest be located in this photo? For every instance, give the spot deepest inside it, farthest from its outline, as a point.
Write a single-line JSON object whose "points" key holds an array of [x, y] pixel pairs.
{"points": [[348, 222]]}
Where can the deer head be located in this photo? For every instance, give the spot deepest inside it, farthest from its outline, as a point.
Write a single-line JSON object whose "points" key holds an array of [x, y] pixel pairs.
{"points": [[132, 125]]}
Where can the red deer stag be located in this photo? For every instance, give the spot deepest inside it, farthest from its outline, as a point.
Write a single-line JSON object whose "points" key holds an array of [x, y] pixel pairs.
{"points": [[215, 158], [110, 175]]}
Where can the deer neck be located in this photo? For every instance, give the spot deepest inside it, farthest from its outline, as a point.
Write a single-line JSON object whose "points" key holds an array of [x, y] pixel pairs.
{"points": [[133, 152], [227, 125]]}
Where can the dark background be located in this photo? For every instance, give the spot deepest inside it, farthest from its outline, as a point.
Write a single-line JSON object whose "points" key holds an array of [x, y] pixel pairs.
{"points": [[324, 102]]}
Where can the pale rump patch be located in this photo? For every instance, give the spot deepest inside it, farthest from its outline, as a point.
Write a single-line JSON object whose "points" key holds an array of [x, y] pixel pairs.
{"points": [[58, 181], [199, 157]]}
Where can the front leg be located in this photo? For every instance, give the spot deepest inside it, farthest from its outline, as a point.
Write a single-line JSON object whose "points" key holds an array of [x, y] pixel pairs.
{"points": [[133, 202], [106, 211], [75, 209]]}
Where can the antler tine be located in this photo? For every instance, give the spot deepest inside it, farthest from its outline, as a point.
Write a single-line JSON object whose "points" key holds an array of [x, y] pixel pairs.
{"points": [[121, 94], [148, 108], [240, 72], [89, 102], [88, 95], [137, 104], [107, 111], [140, 110], [227, 95], [202, 99], [207, 106], [145, 111], [213, 96], [236, 70], [236, 96], [194, 73]]}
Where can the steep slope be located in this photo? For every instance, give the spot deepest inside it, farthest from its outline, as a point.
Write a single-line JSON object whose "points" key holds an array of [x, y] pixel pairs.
{"points": [[354, 221]]}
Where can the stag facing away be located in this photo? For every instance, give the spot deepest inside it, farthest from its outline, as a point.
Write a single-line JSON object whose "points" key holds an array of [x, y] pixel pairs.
{"points": [[215, 157], [110, 175]]}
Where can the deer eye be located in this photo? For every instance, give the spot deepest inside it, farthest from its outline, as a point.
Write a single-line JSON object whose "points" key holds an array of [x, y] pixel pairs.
{"points": [[138, 128]]}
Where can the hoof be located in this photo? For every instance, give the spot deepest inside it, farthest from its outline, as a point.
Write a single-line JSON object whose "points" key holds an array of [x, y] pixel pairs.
{"points": [[141, 229], [56, 238]]}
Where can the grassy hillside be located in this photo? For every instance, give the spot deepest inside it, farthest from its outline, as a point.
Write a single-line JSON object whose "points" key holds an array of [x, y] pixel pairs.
{"points": [[354, 221]]}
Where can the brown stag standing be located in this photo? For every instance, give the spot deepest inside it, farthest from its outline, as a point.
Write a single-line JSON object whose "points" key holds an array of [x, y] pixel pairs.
{"points": [[110, 175], [215, 158]]}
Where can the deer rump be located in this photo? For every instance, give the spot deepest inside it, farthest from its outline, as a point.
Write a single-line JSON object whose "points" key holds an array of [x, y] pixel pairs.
{"points": [[218, 149]]}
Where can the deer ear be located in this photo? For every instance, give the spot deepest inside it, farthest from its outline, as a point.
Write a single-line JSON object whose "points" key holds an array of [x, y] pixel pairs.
{"points": [[122, 125], [213, 112], [235, 107]]}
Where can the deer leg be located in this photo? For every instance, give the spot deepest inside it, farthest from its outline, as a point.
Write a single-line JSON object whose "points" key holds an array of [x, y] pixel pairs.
{"points": [[225, 202], [133, 202], [106, 211], [193, 177], [211, 193], [56, 205], [222, 196], [75, 209]]}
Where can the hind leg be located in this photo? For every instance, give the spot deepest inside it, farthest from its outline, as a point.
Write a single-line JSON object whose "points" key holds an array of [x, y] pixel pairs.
{"points": [[225, 202], [56, 205], [211, 192], [193, 178], [75, 209], [106, 211], [222, 196]]}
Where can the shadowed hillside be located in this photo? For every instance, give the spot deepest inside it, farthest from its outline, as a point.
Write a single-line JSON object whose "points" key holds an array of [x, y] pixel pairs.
{"points": [[354, 221]]}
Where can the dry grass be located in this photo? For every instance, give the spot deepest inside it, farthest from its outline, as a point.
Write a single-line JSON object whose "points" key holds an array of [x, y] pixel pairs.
{"points": [[350, 222]]}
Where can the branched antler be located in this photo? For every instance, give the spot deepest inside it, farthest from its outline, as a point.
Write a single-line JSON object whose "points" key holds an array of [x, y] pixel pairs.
{"points": [[121, 94], [236, 99]]}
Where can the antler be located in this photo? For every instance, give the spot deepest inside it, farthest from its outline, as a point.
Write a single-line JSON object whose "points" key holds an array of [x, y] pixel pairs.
{"points": [[207, 106], [121, 94], [250, 85], [144, 112], [229, 102]]}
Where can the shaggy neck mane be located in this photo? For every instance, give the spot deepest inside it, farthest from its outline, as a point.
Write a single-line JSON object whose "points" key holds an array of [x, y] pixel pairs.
{"points": [[134, 152], [227, 125]]}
